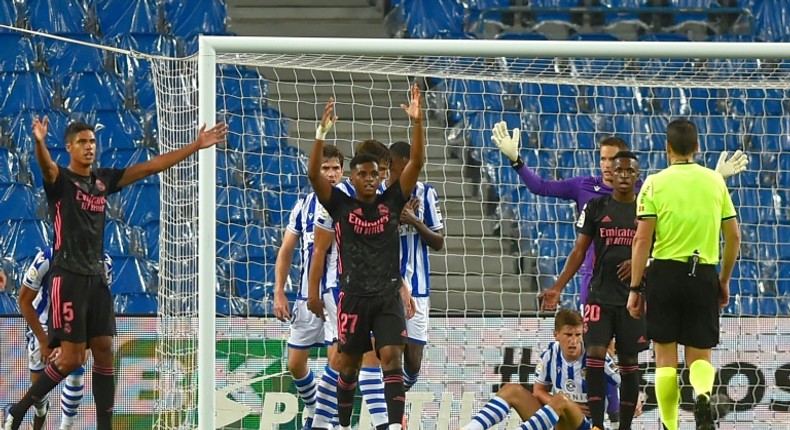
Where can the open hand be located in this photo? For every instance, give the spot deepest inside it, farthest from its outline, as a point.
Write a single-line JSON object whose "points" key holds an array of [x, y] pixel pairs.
{"points": [[736, 164], [549, 301], [414, 108], [40, 127], [212, 136], [328, 119], [504, 141]]}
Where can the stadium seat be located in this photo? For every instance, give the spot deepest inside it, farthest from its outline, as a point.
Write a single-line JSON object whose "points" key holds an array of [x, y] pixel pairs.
{"points": [[25, 91], [59, 156], [21, 129], [188, 19], [612, 100], [256, 130], [18, 54], [228, 172], [723, 133], [9, 15], [783, 246], [480, 124], [63, 59], [24, 238], [131, 276], [253, 279], [9, 167], [118, 17], [770, 133], [425, 20], [260, 308], [242, 89], [141, 203], [8, 305], [550, 98], [261, 242], [116, 238], [147, 43], [58, 16], [783, 284], [231, 306], [278, 206], [233, 205], [136, 304], [747, 275], [17, 200], [121, 158], [117, 129], [151, 230], [771, 21], [91, 91]]}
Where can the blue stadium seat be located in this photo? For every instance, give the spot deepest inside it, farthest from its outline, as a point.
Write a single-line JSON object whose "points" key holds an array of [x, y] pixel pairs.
{"points": [[253, 279], [756, 102], [57, 16], [562, 13], [703, 101], [88, 92], [235, 205], [480, 124], [256, 130], [18, 54], [59, 156], [117, 129], [231, 306], [612, 100], [278, 206], [672, 101], [9, 167], [425, 20], [783, 284], [8, 305], [468, 96], [121, 158], [63, 59], [261, 242], [21, 130], [131, 275], [771, 133], [723, 133], [783, 246], [747, 275], [147, 43], [25, 91], [550, 98], [117, 241], [770, 21], [24, 238], [136, 304], [17, 200], [766, 306], [241, 88], [118, 17], [151, 230], [9, 15], [745, 305], [141, 203], [188, 19], [228, 172]]}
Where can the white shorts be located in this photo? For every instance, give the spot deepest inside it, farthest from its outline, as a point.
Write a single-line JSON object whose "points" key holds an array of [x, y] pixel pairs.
{"points": [[330, 313], [417, 326], [34, 362], [307, 330]]}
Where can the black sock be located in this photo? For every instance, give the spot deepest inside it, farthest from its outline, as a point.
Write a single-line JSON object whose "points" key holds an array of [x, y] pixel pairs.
{"points": [[104, 395], [596, 390], [346, 387], [395, 395], [629, 394], [49, 379]]}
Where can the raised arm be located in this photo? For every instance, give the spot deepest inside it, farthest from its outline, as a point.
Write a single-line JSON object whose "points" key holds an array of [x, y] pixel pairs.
{"points": [[508, 144], [572, 264], [49, 169], [408, 179], [321, 185], [205, 139]]}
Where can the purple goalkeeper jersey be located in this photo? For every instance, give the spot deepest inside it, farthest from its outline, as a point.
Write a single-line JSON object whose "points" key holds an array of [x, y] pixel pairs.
{"points": [[580, 189]]}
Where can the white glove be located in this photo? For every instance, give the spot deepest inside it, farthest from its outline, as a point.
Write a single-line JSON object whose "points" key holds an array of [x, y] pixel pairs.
{"points": [[736, 164], [323, 129], [505, 142]]}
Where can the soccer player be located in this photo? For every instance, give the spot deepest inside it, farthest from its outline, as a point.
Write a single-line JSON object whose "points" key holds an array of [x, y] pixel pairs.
{"points": [[559, 385], [682, 211], [608, 222], [366, 228], [34, 304], [421, 228], [307, 329], [81, 311]]}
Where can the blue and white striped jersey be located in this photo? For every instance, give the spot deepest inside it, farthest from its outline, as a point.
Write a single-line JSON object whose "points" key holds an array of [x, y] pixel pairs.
{"points": [[415, 266], [305, 214], [37, 275], [569, 378]]}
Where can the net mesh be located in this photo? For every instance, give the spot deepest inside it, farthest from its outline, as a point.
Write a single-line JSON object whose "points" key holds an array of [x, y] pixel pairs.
{"points": [[503, 243]]}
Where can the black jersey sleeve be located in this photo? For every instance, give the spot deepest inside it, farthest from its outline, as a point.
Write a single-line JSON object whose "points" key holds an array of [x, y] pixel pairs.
{"points": [[111, 177], [586, 223], [335, 203], [55, 189]]}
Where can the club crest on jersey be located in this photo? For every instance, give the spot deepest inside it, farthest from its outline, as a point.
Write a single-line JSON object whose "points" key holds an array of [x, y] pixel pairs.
{"points": [[383, 210], [100, 185], [570, 385], [597, 188]]}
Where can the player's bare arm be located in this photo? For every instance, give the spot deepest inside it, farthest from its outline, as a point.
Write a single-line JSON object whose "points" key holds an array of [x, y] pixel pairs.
{"points": [[732, 243], [409, 304], [572, 264], [49, 169], [321, 185], [640, 251], [26, 296], [408, 179], [282, 266], [321, 245], [205, 139], [434, 239]]}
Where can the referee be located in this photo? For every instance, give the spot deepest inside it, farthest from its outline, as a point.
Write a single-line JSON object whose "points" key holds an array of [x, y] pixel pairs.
{"points": [[687, 207]]}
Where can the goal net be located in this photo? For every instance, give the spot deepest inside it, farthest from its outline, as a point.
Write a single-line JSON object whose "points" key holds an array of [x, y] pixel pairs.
{"points": [[503, 243]]}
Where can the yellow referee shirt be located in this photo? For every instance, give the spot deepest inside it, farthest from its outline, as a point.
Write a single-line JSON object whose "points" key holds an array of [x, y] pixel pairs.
{"points": [[689, 203]]}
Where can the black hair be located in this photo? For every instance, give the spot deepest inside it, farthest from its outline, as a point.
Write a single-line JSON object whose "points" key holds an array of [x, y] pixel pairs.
{"points": [[74, 128], [401, 149], [682, 136], [626, 154], [362, 158], [331, 151], [376, 148]]}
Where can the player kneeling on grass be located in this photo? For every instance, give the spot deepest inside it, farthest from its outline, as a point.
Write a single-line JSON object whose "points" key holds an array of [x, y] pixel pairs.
{"points": [[559, 398], [34, 305]]}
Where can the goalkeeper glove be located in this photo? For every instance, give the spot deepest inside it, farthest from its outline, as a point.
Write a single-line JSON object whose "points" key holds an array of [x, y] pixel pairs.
{"points": [[323, 129], [736, 164], [505, 142]]}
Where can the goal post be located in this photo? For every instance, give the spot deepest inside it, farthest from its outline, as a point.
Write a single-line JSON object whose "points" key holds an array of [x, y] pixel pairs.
{"points": [[480, 273]]}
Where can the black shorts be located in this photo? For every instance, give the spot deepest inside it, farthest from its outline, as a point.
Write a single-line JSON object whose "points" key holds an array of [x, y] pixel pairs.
{"points": [[358, 316], [682, 308], [602, 323], [81, 308]]}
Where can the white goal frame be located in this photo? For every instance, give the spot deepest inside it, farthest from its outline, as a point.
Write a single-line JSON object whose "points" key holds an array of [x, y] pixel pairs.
{"points": [[210, 46]]}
